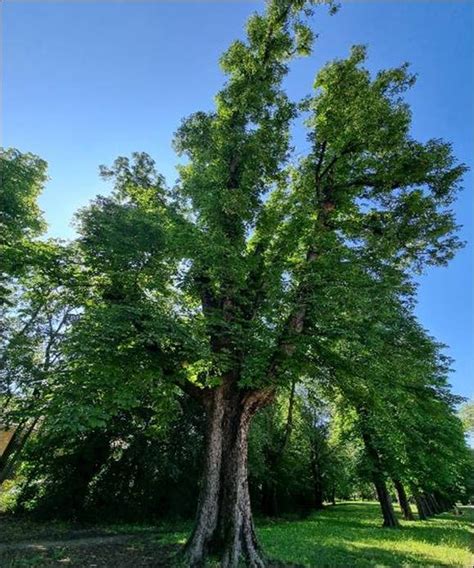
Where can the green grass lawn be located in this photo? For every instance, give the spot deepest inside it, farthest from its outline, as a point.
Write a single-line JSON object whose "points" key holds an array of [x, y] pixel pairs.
{"points": [[349, 535]]}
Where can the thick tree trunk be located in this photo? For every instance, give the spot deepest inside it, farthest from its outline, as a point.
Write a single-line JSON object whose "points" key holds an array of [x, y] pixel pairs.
{"points": [[403, 500], [224, 525], [389, 518]]}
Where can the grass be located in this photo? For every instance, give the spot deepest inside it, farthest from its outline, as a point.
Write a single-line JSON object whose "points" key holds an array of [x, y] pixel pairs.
{"points": [[346, 535], [350, 534]]}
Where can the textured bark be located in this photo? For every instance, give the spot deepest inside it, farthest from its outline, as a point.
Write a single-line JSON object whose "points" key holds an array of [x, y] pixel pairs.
{"points": [[403, 500], [224, 525], [389, 518]]}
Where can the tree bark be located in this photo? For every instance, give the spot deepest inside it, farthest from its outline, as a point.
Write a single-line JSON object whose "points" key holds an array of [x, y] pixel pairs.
{"points": [[389, 518], [403, 500], [427, 505], [224, 525], [420, 507], [378, 478]]}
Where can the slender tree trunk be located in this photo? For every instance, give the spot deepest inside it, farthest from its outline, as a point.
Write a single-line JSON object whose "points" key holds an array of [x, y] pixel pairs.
{"points": [[224, 525], [389, 518], [403, 500], [318, 488]]}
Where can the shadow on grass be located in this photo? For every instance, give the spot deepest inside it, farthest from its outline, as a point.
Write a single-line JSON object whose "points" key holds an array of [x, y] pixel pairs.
{"points": [[347, 535], [350, 534]]}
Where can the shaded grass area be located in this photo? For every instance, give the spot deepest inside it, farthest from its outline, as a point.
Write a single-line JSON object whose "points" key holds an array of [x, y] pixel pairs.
{"points": [[345, 535]]}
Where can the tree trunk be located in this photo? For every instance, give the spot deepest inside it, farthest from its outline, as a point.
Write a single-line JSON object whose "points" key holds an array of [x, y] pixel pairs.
{"points": [[389, 518], [12, 453], [224, 525], [427, 505], [403, 500], [420, 507], [318, 489], [435, 507], [378, 478]]}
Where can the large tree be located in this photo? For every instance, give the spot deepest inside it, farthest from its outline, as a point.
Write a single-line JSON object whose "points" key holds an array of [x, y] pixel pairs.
{"points": [[225, 285]]}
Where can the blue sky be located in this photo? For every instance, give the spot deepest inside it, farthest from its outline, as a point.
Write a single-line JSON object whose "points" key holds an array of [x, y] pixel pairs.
{"points": [[84, 82]]}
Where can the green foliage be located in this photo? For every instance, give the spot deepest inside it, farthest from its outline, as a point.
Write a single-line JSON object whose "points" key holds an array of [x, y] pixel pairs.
{"points": [[22, 178], [466, 414], [139, 466]]}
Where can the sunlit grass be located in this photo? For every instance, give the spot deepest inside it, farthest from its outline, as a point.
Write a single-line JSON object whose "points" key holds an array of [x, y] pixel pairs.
{"points": [[349, 535]]}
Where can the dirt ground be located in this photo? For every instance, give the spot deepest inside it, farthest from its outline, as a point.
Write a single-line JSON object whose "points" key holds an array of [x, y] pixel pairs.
{"points": [[24, 544]]}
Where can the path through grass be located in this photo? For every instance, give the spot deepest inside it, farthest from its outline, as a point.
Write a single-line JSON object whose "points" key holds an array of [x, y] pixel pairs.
{"points": [[348, 535]]}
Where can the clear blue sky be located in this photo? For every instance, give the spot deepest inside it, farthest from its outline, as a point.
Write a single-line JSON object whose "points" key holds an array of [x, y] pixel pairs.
{"points": [[87, 81]]}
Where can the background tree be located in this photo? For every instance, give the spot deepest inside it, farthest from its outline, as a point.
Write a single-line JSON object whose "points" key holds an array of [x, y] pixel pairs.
{"points": [[22, 178], [466, 414]]}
